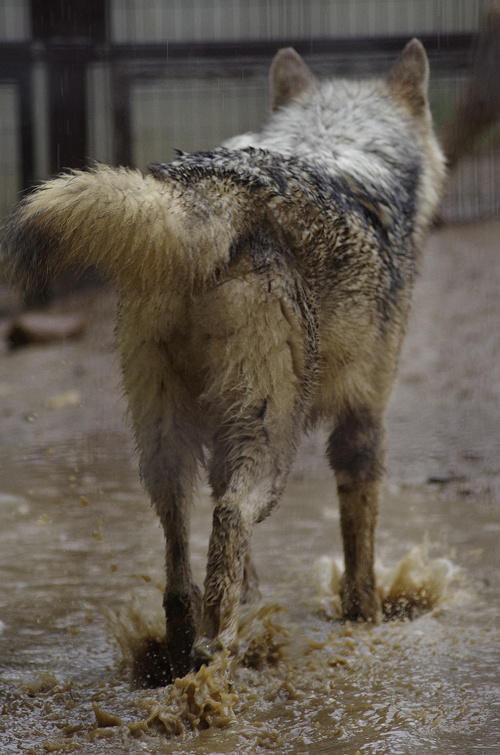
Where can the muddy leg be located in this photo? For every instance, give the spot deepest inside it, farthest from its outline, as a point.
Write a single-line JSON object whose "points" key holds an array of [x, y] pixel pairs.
{"points": [[247, 475], [182, 599], [168, 467], [226, 558], [167, 430], [355, 452]]}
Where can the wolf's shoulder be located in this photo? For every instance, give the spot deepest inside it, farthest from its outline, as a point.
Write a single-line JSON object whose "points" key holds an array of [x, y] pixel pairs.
{"points": [[263, 171], [251, 164], [287, 185]]}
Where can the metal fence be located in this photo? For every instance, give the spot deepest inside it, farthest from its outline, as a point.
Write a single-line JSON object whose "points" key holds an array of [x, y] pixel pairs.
{"points": [[187, 74], [156, 20], [195, 20]]}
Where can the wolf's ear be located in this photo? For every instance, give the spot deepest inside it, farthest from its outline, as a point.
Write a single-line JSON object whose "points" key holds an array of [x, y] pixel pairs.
{"points": [[408, 79], [289, 77]]}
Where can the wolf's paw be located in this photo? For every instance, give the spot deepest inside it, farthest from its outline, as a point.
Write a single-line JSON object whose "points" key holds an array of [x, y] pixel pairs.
{"points": [[182, 612], [203, 652], [360, 602]]}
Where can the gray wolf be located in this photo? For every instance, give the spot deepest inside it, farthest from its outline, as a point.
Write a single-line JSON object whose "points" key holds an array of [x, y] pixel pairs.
{"points": [[263, 286]]}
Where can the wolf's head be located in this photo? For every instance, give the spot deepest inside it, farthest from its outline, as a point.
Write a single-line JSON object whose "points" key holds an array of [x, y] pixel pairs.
{"points": [[371, 130], [291, 79]]}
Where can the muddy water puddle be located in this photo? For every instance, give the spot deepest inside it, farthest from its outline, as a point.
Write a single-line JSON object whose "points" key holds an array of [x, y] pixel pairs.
{"points": [[81, 560]]}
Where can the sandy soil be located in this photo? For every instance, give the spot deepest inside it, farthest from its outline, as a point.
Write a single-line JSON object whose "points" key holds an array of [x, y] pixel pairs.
{"points": [[443, 419]]}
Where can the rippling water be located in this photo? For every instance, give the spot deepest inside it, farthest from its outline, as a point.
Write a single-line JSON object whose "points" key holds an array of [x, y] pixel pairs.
{"points": [[81, 560]]}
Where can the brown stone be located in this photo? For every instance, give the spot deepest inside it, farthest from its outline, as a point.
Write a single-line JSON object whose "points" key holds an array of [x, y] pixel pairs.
{"points": [[39, 327]]}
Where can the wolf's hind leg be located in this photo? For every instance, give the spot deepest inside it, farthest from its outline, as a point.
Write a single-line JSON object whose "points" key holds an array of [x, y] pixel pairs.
{"points": [[355, 452], [259, 340], [168, 441], [168, 469], [247, 473]]}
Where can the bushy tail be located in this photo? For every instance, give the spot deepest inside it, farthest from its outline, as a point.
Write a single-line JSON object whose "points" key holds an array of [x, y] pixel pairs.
{"points": [[137, 229]]}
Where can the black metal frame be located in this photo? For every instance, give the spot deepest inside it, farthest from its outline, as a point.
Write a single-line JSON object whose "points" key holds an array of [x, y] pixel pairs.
{"points": [[16, 67]]}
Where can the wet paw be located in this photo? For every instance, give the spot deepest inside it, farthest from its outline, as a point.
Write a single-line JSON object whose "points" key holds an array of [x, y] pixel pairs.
{"points": [[204, 651], [182, 613], [360, 604]]}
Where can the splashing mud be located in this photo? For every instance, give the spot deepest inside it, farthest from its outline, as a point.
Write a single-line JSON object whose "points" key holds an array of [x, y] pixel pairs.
{"points": [[139, 630], [205, 698], [303, 680], [199, 700], [276, 662], [418, 583], [82, 629]]}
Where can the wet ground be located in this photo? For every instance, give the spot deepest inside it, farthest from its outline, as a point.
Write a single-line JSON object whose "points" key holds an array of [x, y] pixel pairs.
{"points": [[81, 558]]}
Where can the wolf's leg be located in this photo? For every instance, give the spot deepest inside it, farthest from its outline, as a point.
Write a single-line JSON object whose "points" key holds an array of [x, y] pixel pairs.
{"points": [[168, 440], [247, 473], [258, 336], [355, 451], [168, 468]]}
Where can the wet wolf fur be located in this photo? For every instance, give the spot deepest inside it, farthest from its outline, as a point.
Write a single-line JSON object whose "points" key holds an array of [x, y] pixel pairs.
{"points": [[263, 286]]}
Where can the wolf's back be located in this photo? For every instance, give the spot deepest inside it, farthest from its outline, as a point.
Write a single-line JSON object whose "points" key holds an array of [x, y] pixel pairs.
{"points": [[136, 229]]}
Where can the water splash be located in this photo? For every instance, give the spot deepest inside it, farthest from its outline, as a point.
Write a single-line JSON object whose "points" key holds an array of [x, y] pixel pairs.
{"points": [[201, 699], [415, 585]]}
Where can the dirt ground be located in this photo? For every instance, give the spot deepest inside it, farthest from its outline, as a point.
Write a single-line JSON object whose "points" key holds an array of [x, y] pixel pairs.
{"points": [[443, 419]]}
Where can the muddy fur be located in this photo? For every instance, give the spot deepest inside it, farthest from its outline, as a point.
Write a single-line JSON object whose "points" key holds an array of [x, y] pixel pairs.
{"points": [[263, 286]]}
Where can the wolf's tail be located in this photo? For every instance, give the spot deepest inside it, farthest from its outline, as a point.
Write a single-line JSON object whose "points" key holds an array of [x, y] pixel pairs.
{"points": [[138, 230]]}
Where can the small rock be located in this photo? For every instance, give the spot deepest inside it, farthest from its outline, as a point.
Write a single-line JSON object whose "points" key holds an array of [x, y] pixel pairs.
{"points": [[39, 327], [62, 400]]}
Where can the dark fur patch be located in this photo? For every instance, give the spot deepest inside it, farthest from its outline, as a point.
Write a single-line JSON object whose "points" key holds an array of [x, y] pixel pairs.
{"points": [[356, 447]]}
